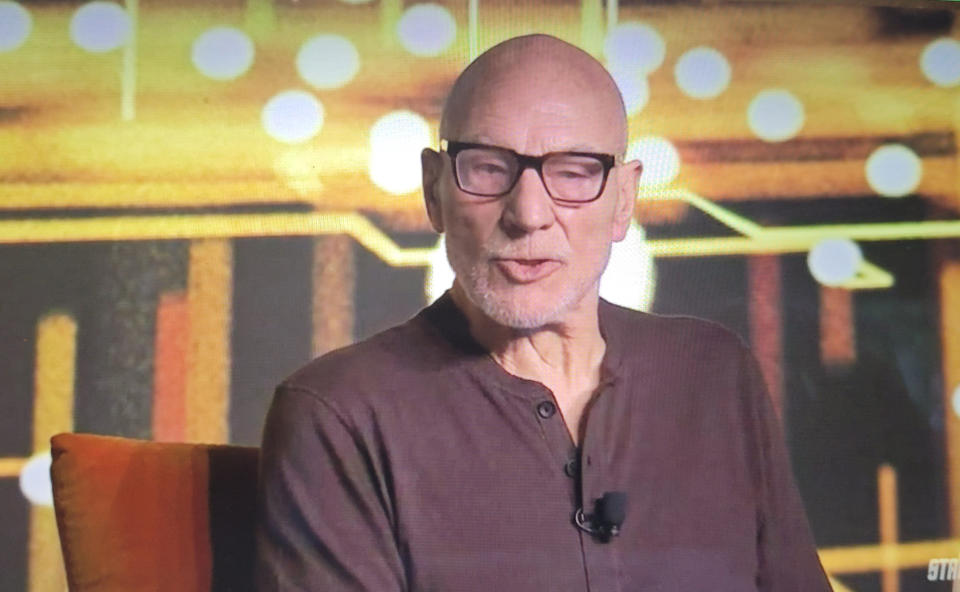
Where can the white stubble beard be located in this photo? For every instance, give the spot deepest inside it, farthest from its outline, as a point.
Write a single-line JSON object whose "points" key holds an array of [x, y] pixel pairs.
{"points": [[508, 309]]}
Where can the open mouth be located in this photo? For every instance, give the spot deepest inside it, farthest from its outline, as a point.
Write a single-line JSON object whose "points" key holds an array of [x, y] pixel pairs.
{"points": [[527, 270]]}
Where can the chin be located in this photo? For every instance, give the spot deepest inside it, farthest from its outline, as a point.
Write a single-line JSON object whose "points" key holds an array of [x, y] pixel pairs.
{"points": [[509, 313], [520, 307]]}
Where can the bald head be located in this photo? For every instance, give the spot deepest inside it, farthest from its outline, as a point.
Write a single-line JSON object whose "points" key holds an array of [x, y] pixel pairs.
{"points": [[524, 70]]}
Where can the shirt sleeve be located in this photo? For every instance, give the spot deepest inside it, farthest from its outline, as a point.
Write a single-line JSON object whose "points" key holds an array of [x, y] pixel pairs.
{"points": [[786, 552], [324, 519]]}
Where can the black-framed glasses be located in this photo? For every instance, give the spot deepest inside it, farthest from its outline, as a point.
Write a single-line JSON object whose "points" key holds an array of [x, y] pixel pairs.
{"points": [[492, 171]]}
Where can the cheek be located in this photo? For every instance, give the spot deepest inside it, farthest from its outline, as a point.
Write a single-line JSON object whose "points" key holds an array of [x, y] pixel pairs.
{"points": [[590, 239], [469, 226]]}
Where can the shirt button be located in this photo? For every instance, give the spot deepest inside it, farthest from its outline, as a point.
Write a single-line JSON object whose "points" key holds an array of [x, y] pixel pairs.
{"points": [[546, 409], [570, 467]]}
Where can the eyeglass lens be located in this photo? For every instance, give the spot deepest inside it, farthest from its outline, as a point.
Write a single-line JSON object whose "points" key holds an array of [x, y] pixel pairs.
{"points": [[488, 171]]}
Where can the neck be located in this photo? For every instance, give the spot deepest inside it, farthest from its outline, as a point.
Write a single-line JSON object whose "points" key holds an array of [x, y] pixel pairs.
{"points": [[564, 355]]}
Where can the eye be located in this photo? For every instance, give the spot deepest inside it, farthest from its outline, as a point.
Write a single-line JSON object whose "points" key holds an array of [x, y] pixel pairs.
{"points": [[574, 168], [572, 173], [489, 167]]}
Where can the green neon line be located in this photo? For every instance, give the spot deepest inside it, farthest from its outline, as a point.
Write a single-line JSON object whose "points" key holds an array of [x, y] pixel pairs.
{"points": [[733, 220], [613, 14], [473, 17], [128, 76], [795, 236], [869, 276], [867, 232]]}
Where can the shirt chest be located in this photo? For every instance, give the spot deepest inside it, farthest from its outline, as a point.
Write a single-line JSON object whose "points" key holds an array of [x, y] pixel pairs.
{"points": [[493, 483]]}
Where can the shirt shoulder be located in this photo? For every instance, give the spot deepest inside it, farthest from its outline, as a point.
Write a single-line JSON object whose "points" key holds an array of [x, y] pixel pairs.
{"points": [[678, 337], [397, 360]]}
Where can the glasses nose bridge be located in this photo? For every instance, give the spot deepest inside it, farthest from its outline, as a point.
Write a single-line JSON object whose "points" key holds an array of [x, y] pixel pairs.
{"points": [[528, 209], [524, 162]]}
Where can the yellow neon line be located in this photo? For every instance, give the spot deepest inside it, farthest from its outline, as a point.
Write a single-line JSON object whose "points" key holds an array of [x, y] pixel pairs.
{"points": [[45, 569], [869, 276], [889, 527], [209, 301], [11, 467], [377, 242], [54, 372], [949, 289], [868, 232], [775, 240], [807, 235], [53, 378], [121, 228], [128, 71], [735, 221], [786, 239], [868, 558]]}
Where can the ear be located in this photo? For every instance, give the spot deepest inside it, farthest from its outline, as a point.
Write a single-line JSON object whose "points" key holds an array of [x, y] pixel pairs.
{"points": [[628, 181], [432, 167]]}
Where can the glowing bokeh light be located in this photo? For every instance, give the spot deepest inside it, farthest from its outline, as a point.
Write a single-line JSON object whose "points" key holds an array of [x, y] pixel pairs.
{"points": [[328, 61], [35, 480], [292, 116], [439, 273], [396, 140], [775, 115], [636, 46], [659, 157], [100, 26], [893, 170], [426, 29], [834, 261], [940, 62], [15, 25], [702, 73], [223, 53], [955, 400], [634, 89], [629, 279]]}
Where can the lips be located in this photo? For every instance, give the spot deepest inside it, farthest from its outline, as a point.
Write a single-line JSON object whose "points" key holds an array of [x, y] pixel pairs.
{"points": [[525, 271]]}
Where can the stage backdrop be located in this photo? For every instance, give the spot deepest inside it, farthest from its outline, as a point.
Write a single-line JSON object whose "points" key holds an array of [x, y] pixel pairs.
{"points": [[198, 197]]}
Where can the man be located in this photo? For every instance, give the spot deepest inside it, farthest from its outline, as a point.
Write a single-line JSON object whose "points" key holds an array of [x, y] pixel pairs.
{"points": [[492, 442]]}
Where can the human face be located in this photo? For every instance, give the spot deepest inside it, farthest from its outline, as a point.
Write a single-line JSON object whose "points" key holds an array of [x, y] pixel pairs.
{"points": [[524, 259]]}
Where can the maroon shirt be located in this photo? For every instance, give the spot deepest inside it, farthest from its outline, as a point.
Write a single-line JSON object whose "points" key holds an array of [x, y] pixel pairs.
{"points": [[413, 461]]}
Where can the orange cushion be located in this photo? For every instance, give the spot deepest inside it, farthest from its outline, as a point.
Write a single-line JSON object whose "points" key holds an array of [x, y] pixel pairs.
{"points": [[138, 515]]}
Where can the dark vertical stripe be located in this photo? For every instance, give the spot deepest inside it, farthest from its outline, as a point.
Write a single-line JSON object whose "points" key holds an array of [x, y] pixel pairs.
{"points": [[116, 335], [897, 329], [13, 548], [712, 288], [388, 296], [271, 325], [232, 503]]}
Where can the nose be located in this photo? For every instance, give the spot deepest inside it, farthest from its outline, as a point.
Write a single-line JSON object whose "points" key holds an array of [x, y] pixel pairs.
{"points": [[528, 206]]}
